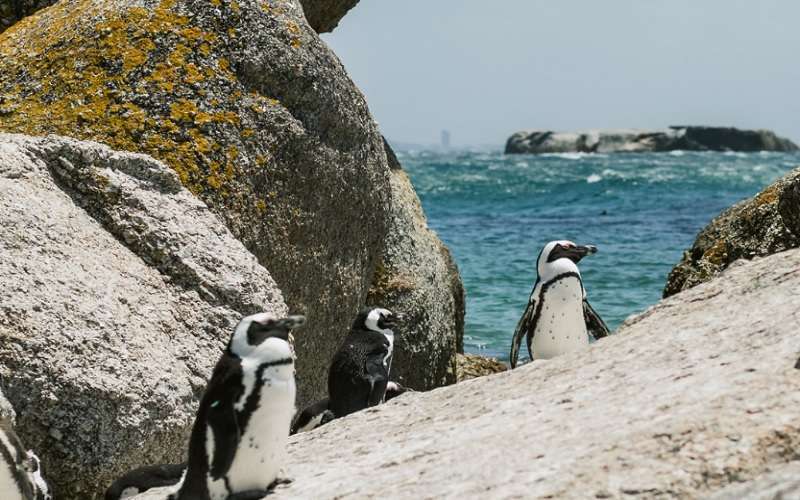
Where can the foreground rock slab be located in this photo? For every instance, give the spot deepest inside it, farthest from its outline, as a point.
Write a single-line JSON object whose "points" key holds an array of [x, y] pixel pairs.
{"points": [[642, 141], [118, 291], [696, 392], [765, 224]]}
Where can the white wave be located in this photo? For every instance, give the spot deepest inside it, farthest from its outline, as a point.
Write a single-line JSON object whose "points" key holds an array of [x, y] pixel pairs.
{"points": [[677, 152], [593, 178]]}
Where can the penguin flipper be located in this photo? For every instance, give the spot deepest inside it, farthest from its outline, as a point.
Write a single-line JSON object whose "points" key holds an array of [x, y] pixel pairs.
{"points": [[525, 328], [377, 374], [145, 478], [222, 417], [594, 323]]}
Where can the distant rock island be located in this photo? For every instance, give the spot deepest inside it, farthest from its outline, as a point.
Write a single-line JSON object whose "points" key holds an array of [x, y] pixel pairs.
{"points": [[687, 138]]}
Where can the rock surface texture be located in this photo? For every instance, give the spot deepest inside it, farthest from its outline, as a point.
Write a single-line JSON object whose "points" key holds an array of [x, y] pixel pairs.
{"points": [[119, 291], [763, 225], [418, 277], [783, 483], [641, 141], [253, 112], [689, 396]]}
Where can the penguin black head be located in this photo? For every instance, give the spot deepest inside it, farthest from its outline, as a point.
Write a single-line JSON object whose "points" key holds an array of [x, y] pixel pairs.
{"points": [[569, 250], [254, 330], [376, 319], [561, 256]]}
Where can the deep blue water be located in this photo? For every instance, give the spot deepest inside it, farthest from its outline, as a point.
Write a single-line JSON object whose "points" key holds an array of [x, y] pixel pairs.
{"points": [[495, 212]]}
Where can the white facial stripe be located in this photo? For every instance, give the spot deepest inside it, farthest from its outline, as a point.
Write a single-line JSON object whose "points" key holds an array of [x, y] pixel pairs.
{"points": [[240, 346], [548, 270], [373, 317]]}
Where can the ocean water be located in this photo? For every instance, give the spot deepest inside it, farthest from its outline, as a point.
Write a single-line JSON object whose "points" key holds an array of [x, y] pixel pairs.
{"points": [[495, 212]]}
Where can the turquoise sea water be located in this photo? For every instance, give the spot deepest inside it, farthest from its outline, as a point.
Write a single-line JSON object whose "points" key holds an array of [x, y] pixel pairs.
{"points": [[495, 212]]}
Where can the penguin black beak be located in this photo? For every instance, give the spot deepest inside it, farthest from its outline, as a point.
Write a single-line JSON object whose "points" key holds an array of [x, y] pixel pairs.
{"points": [[281, 328], [576, 253], [392, 321]]}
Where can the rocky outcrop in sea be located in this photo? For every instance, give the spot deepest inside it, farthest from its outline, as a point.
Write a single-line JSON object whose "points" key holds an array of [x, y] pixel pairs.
{"points": [[688, 399], [765, 224], [687, 138]]}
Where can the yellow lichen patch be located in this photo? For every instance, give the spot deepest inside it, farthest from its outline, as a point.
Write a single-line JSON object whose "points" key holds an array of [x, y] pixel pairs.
{"points": [[769, 195], [103, 72], [717, 254]]}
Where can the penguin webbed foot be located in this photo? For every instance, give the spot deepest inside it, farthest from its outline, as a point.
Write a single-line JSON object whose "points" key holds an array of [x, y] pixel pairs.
{"points": [[394, 389], [327, 416]]}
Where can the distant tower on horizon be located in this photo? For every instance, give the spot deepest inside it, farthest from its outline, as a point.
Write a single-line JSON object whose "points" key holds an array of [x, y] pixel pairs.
{"points": [[445, 139]]}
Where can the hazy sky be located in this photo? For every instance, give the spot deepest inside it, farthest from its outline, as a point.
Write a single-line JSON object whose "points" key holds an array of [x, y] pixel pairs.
{"points": [[484, 69]]}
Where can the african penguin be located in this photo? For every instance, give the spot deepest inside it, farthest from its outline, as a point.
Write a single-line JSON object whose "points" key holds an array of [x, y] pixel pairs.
{"points": [[359, 373], [316, 415], [238, 442], [20, 470], [558, 318]]}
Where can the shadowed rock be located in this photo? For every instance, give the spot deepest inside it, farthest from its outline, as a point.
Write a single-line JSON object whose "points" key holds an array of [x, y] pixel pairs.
{"points": [[322, 15], [686, 398], [418, 278], [119, 291]]}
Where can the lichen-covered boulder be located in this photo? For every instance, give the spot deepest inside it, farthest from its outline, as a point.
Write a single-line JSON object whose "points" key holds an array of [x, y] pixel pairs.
{"points": [[418, 278], [762, 225], [119, 290], [252, 110], [324, 15]]}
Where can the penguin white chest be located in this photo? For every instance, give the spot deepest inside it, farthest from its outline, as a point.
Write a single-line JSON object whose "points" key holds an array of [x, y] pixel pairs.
{"points": [[560, 327], [262, 446]]}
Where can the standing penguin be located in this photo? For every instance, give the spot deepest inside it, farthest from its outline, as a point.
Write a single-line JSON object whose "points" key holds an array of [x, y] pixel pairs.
{"points": [[359, 373], [20, 471], [558, 318], [238, 443]]}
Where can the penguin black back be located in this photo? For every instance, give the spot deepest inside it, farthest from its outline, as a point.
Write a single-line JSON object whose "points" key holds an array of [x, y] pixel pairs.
{"points": [[359, 372]]}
